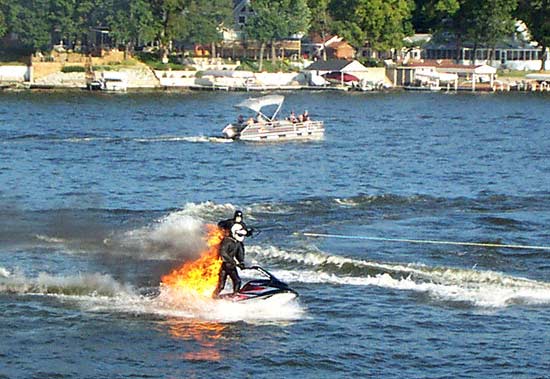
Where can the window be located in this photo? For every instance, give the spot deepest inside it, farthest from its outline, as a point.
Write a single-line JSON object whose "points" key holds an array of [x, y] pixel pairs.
{"points": [[242, 19]]}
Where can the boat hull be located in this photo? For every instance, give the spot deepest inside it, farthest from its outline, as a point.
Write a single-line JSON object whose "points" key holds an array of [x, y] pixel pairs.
{"points": [[277, 131]]}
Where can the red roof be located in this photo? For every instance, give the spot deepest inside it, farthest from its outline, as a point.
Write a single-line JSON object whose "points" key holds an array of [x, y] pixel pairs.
{"points": [[336, 45]]}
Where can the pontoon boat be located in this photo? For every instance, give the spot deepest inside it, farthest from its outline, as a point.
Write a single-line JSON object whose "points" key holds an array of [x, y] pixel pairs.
{"points": [[265, 128]]}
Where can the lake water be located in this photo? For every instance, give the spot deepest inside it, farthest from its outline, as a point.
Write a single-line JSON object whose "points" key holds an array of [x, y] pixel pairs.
{"points": [[100, 195]]}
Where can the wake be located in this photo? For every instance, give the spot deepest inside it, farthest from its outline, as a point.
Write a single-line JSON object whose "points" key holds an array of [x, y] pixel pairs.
{"points": [[94, 139], [486, 289], [97, 292]]}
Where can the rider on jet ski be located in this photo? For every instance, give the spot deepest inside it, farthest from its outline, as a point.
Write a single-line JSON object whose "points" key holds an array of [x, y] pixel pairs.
{"points": [[232, 256]]}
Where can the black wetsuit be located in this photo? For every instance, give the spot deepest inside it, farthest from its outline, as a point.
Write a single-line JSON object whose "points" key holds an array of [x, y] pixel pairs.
{"points": [[232, 255]]}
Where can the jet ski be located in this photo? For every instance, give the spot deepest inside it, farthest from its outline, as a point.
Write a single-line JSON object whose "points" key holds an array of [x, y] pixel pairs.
{"points": [[262, 289]]}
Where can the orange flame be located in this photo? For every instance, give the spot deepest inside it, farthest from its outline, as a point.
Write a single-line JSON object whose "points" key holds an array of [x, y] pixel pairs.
{"points": [[199, 276]]}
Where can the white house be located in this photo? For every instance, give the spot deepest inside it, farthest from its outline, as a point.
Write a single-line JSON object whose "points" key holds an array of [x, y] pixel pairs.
{"points": [[516, 52]]}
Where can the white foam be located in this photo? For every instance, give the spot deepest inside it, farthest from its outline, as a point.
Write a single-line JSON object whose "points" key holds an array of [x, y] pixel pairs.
{"points": [[202, 139], [226, 310], [479, 288], [97, 292], [346, 202], [50, 239], [82, 284], [208, 208], [4, 273], [491, 295], [319, 259], [192, 139]]}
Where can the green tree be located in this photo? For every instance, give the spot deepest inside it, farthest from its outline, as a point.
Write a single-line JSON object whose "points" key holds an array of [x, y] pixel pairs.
{"points": [[276, 20], [321, 20], [454, 19], [320, 16], [64, 20], [173, 23], [491, 21], [536, 15], [29, 20], [208, 19], [3, 26], [428, 14], [383, 23], [133, 23]]}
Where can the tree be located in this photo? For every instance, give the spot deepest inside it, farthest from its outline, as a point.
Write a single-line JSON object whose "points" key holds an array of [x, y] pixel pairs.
{"points": [[276, 20], [536, 14], [173, 23], [208, 19], [454, 19], [491, 21], [133, 23], [481, 22], [63, 18], [321, 20], [320, 16], [29, 20], [3, 27], [383, 23]]}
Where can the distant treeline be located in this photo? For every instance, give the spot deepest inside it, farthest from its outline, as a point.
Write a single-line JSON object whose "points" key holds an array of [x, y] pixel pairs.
{"points": [[382, 23]]}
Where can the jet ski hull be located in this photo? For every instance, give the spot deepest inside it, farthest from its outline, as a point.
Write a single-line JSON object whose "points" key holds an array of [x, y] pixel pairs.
{"points": [[276, 298], [271, 289]]}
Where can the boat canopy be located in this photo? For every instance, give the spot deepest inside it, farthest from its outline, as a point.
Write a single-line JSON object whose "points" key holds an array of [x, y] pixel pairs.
{"points": [[258, 103]]}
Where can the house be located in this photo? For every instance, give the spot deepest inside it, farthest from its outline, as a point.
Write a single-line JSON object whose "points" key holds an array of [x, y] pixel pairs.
{"points": [[340, 50], [413, 47], [516, 52], [241, 12], [234, 43], [328, 47]]}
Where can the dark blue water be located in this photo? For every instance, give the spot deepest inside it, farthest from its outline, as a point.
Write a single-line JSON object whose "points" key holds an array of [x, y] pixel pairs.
{"points": [[101, 195]]}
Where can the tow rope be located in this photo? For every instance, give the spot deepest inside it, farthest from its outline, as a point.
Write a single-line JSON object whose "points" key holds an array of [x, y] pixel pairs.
{"points": [[433, 242]]}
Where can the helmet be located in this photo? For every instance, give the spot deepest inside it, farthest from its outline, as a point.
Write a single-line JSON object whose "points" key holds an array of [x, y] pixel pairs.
{"points": [[238, 232], [238, 214]]}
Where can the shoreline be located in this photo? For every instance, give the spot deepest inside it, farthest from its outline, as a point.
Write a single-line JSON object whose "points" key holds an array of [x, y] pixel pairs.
{"points": [[14, 88]]}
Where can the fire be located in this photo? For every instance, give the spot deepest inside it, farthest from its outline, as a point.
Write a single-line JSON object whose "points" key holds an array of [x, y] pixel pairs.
{"points": [[199, 276]]}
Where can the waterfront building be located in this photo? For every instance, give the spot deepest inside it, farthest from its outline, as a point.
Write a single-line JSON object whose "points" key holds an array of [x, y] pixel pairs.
{"points": [[329, 47], [516, 52], [235, 45], [443, 72]]}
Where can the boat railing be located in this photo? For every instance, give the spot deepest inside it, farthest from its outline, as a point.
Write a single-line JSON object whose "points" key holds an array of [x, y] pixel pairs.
{"points": [[274, 125]]}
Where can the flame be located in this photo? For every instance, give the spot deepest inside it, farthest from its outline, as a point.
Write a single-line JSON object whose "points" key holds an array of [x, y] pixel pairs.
{"points": [[199, 276], [206, 335]]}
